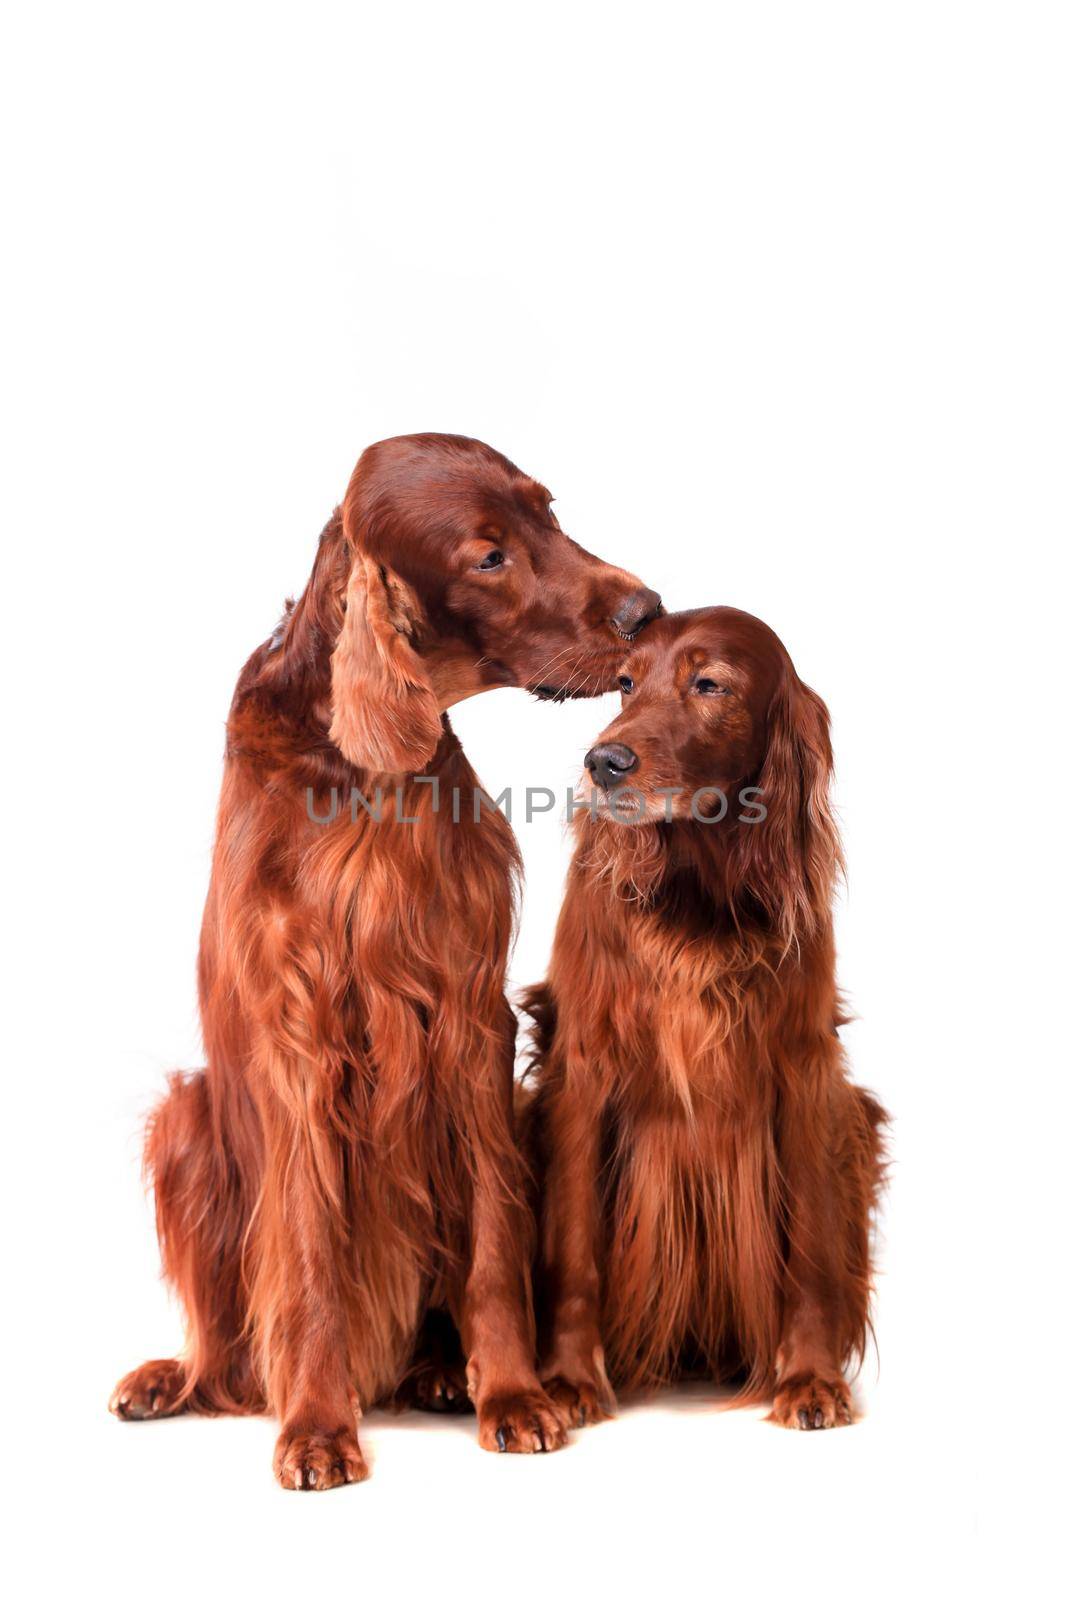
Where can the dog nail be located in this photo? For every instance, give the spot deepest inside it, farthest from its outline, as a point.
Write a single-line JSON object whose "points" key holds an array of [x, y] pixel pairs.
{"points": [[804, 1419], [819, 1420], [581, 1416], [298, 1478], [312, 1477], [501, 1440]]}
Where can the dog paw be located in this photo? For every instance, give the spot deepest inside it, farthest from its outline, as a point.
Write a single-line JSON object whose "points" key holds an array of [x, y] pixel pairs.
{"points": [[807, 1402], [520, 1424], [435, 1388], [580, 1402], [318, 1458], [152, 1390]]}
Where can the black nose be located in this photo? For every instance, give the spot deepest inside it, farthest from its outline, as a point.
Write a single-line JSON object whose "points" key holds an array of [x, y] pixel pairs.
{"points": [[636, 609], [611, 764]]}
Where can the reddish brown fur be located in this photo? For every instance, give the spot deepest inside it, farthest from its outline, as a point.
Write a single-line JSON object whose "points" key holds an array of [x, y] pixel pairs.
{"points": [[708, 1171], [346, 1162]]}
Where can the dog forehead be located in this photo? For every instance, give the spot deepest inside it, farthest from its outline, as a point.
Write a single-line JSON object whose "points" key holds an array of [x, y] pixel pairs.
{"points": [[475, 499], [726, 634]]}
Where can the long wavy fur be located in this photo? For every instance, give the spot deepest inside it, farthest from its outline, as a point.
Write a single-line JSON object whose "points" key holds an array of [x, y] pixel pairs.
{"points": [[687, 1034]]}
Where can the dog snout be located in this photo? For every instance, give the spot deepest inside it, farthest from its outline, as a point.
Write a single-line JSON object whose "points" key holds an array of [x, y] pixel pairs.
{"points": [[635, 611], [611, 764]]}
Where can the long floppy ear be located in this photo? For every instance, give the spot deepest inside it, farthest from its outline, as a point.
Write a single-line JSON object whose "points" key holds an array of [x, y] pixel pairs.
{"points": [[385, 716], [790, 860]]}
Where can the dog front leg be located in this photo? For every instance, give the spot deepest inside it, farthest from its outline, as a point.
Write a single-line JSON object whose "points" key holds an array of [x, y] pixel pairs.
{"points": [[514, 1413], [496, 1310], [830, 1152], [300, 1310], [573, 1368]]}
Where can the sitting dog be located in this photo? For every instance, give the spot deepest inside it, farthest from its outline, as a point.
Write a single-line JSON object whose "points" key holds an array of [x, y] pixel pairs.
{"points": [[344, 1174], [707, 1171]]}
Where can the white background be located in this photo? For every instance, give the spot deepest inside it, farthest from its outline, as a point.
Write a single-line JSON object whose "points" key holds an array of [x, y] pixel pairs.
{"points": [[772, 299]]}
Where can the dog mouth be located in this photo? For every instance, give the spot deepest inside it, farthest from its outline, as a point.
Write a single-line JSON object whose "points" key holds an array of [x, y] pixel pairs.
{"points": [[547, 691], [587, 681], [623, 808]]}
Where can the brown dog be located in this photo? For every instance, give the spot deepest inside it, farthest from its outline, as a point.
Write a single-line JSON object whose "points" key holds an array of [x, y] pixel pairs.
{"points": [[708, 1171], [346, 1163]]}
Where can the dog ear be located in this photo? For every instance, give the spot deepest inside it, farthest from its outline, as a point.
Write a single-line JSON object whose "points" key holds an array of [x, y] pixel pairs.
{"points": [[791, 859], [385, 716]]}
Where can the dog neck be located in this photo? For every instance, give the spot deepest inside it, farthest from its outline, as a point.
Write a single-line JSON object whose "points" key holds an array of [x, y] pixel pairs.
{"points": [[684, 871]]}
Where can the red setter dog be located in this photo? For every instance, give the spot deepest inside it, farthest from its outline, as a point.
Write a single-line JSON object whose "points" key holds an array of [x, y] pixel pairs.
{"points": [[707, 1169], [345, 1166]]}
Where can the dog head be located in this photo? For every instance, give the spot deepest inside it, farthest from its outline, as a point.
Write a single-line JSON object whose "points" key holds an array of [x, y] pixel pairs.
{"points": [[718, 734], [461, 580]]}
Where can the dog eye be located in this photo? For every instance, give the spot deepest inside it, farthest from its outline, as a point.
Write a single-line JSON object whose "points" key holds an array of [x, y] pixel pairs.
{"points": [[625, 684], [708, 686], [493, 559]]}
